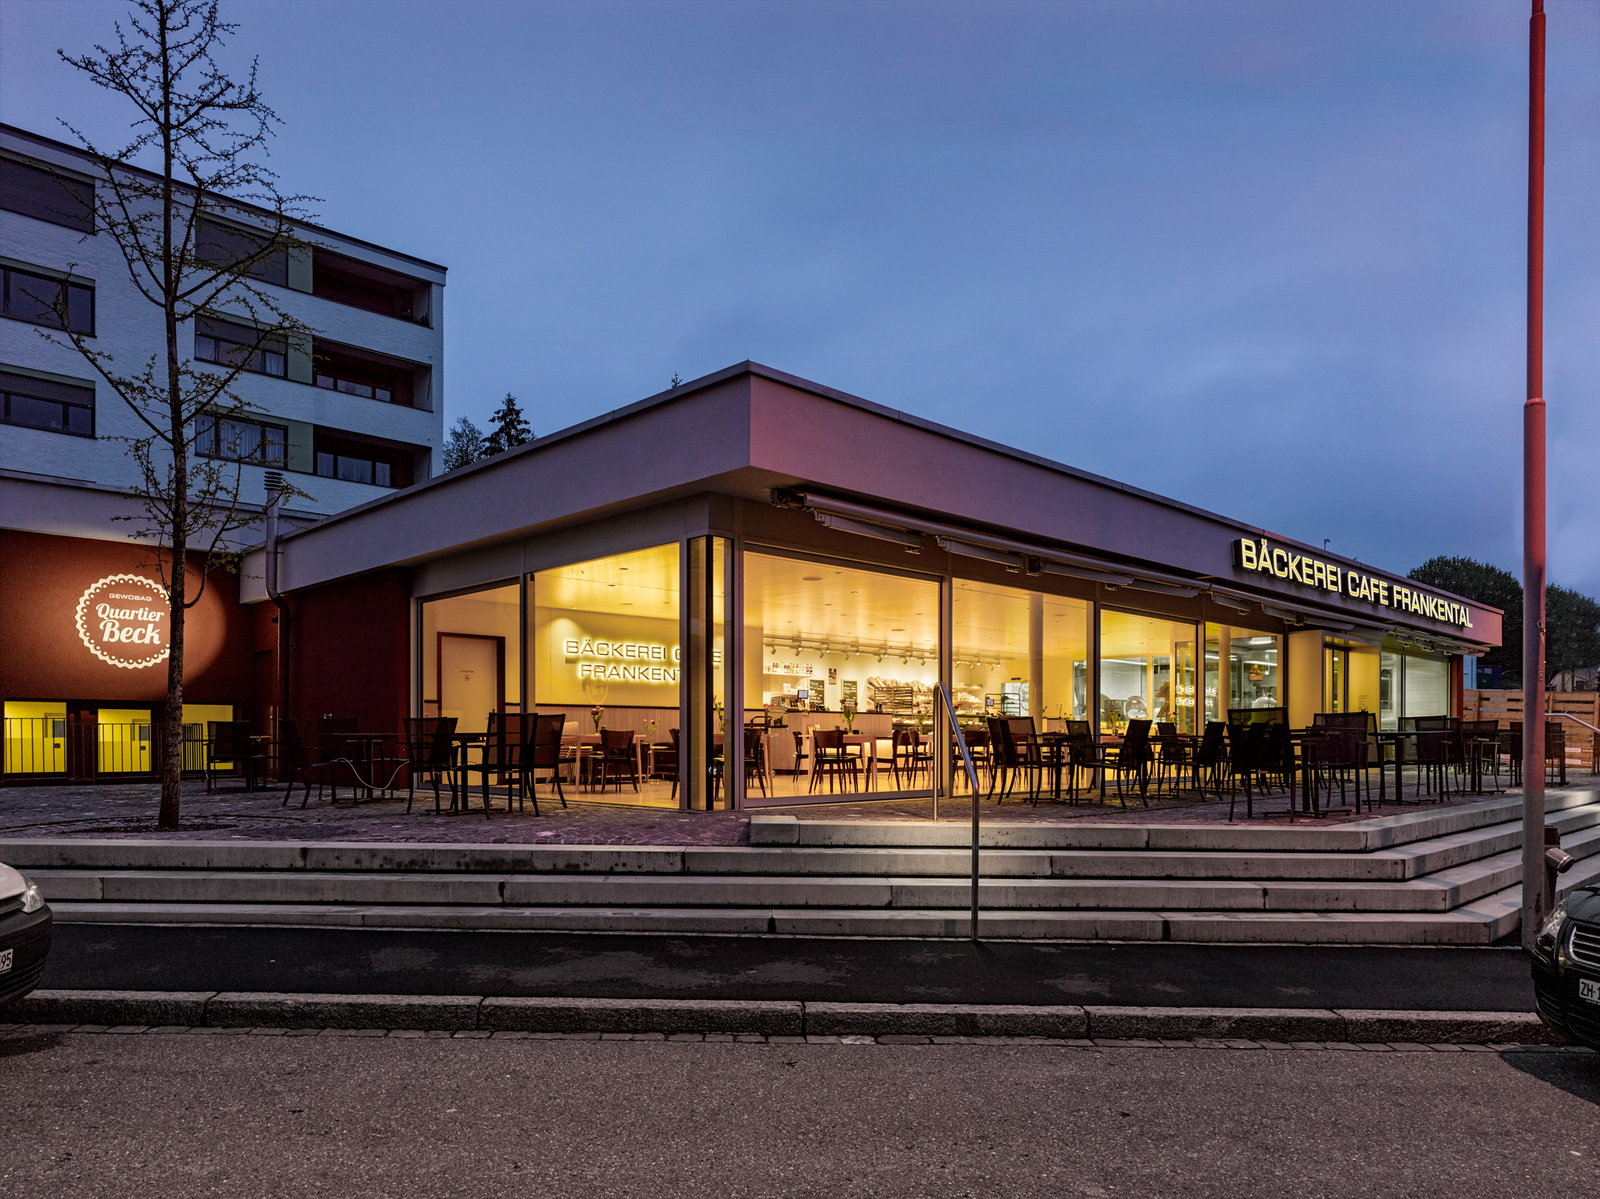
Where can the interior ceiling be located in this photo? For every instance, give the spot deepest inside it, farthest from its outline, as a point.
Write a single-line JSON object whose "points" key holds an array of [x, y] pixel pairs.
{"points": [[1129, 635], [788, 597], [641, 583]]}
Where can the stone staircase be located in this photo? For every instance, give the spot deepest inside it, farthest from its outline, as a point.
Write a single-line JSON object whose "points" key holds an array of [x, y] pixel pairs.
{"points": [[1427, 876]]}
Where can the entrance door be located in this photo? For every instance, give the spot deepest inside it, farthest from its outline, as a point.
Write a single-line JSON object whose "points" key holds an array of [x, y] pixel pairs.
{"points": [[471, 679]]}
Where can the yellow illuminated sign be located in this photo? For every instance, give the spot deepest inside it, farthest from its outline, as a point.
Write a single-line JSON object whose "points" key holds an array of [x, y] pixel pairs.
{"points": [[622, 661], [1257, 555]]}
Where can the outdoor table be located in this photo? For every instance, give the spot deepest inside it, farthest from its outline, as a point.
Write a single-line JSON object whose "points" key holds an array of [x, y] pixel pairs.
{"points": [[1398, 740], [364, 749], [460, 744], [1053, 755], [1305, 741]]}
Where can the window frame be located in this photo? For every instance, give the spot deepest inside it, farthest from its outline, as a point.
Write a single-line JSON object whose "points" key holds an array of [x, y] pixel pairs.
{"points": [[257, 362], [272, 269], [255, 458], [371, 460], [62, 284], [7, 393], [68, 181]]}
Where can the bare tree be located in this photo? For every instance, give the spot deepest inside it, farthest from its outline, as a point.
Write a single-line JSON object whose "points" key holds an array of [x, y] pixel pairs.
{"points": [[200, 237]]}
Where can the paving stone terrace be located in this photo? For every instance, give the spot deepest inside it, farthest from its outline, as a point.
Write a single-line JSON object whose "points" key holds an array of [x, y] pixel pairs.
{"points": [[128, 810]]}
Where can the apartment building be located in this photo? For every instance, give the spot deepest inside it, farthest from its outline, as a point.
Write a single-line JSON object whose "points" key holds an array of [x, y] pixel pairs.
{"points": [[349, 415]]}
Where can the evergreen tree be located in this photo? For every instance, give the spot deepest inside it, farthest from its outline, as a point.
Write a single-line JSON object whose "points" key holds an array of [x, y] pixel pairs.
{"points": [[464, 445], [1572, 619], [508, 427]]}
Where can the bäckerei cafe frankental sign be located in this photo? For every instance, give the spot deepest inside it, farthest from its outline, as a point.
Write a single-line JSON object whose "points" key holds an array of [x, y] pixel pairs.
{"points": [[1261, 557]]}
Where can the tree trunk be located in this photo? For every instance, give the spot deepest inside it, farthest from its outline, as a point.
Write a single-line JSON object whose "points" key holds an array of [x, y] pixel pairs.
{"points": [[177, 512]]}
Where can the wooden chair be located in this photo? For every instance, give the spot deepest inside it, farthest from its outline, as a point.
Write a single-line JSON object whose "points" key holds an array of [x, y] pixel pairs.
{"points": [[617, 759], [833, 761], [908, 755]]}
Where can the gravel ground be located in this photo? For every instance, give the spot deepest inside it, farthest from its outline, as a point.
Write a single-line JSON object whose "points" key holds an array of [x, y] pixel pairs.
{"points": [[128, 810]]}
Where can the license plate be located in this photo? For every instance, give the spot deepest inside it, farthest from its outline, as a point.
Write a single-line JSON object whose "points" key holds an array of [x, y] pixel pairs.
{"points": [[1589, 988], [5, 959]]}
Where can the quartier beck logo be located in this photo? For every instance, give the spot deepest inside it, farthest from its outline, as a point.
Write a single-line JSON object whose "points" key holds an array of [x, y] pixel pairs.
{"points": [[122, 619]]}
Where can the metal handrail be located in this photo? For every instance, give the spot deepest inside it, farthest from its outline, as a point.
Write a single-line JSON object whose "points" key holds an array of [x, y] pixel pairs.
{"points": [[972, 779]]}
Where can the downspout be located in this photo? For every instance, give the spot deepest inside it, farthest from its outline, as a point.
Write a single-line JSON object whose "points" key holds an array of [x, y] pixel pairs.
{"points": [[274, 492]]}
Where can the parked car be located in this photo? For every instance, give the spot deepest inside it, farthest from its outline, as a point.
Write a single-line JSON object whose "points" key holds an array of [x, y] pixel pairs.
{"points": [[1566, 967], [25, 922]]}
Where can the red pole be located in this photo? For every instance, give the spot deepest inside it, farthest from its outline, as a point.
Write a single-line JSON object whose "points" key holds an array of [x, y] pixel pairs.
{"points": [[1536, 897]]}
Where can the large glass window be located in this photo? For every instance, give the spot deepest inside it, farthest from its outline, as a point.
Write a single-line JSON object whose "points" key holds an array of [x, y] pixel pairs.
{"points": [[605, 653], [1147, 671], [471, 656], [838, 648], [1019, 653], [1241, 670], [1411, 685]]}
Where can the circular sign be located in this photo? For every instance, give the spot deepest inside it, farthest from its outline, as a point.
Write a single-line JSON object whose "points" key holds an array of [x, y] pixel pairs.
{"points": [[123, 621]]}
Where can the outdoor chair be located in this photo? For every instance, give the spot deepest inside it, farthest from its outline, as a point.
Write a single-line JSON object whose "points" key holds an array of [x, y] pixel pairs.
{"points": [[298, 763], [1341, 756], [1010, 762], [430, 751], [1131, 758], [228, 745], [1255, 761], [500, 753], [1171, 755], [1209, 765], [542, 751]]}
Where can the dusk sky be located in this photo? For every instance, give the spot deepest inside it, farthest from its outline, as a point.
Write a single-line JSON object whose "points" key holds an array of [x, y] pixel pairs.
{"points": [[1265, 258]]}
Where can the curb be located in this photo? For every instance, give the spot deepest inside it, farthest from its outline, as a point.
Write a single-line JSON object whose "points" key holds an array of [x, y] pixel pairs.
{"points": [[465, 1013]]}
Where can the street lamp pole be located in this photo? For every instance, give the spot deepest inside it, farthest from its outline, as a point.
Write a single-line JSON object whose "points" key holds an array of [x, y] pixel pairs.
{"points": [[1536, 897]]}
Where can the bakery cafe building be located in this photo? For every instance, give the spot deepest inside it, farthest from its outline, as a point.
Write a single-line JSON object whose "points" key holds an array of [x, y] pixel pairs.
{"points": [[757, 556]]}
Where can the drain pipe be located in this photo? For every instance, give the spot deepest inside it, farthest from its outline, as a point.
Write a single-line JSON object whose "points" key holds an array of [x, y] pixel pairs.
{"points": [[274, 493]]}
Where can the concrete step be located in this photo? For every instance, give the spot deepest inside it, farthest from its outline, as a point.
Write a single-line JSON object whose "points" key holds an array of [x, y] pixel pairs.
{"points": [[1402, 862], [1478, 924], [1356, 836], [1437, 892]]}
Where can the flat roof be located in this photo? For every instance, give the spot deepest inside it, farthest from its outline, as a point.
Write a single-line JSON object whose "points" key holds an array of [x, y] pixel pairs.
{"points": [[243, 205], [749, 429]]}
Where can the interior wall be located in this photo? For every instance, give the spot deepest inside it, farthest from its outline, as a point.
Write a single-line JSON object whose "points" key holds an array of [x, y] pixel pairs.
{"points": [[1304, 652]]}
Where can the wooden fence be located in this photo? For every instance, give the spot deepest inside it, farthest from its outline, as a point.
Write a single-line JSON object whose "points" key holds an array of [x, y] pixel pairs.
{"points": [[1506, 706]]}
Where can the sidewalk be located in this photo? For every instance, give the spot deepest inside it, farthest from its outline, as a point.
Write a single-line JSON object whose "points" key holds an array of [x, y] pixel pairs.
{"points": [[128, 810]]}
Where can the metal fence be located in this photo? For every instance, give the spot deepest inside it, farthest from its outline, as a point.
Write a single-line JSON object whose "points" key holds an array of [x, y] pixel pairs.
{"points": [[52, 747]]}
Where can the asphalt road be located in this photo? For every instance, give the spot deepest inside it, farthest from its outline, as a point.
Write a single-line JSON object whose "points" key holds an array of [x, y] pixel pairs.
{"points": [[346, 961], [182, 1115]]}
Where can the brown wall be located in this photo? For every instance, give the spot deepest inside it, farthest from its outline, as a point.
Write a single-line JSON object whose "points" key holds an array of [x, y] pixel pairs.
{"points": [[42, 657], [350, 651]]}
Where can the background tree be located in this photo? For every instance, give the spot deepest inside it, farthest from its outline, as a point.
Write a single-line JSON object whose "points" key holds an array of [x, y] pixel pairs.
{"points": [[197, 238], [507, 427], [1572, 619], [464, 445]]}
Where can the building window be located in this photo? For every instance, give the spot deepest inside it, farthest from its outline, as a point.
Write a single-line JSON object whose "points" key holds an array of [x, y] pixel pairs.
{"points": [[39, 300], [353, 387], [225, 246], [235, 345], [242, 441], [355, 468], [43, 404], [1147, 671], [345, 281], [46, 196]]}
